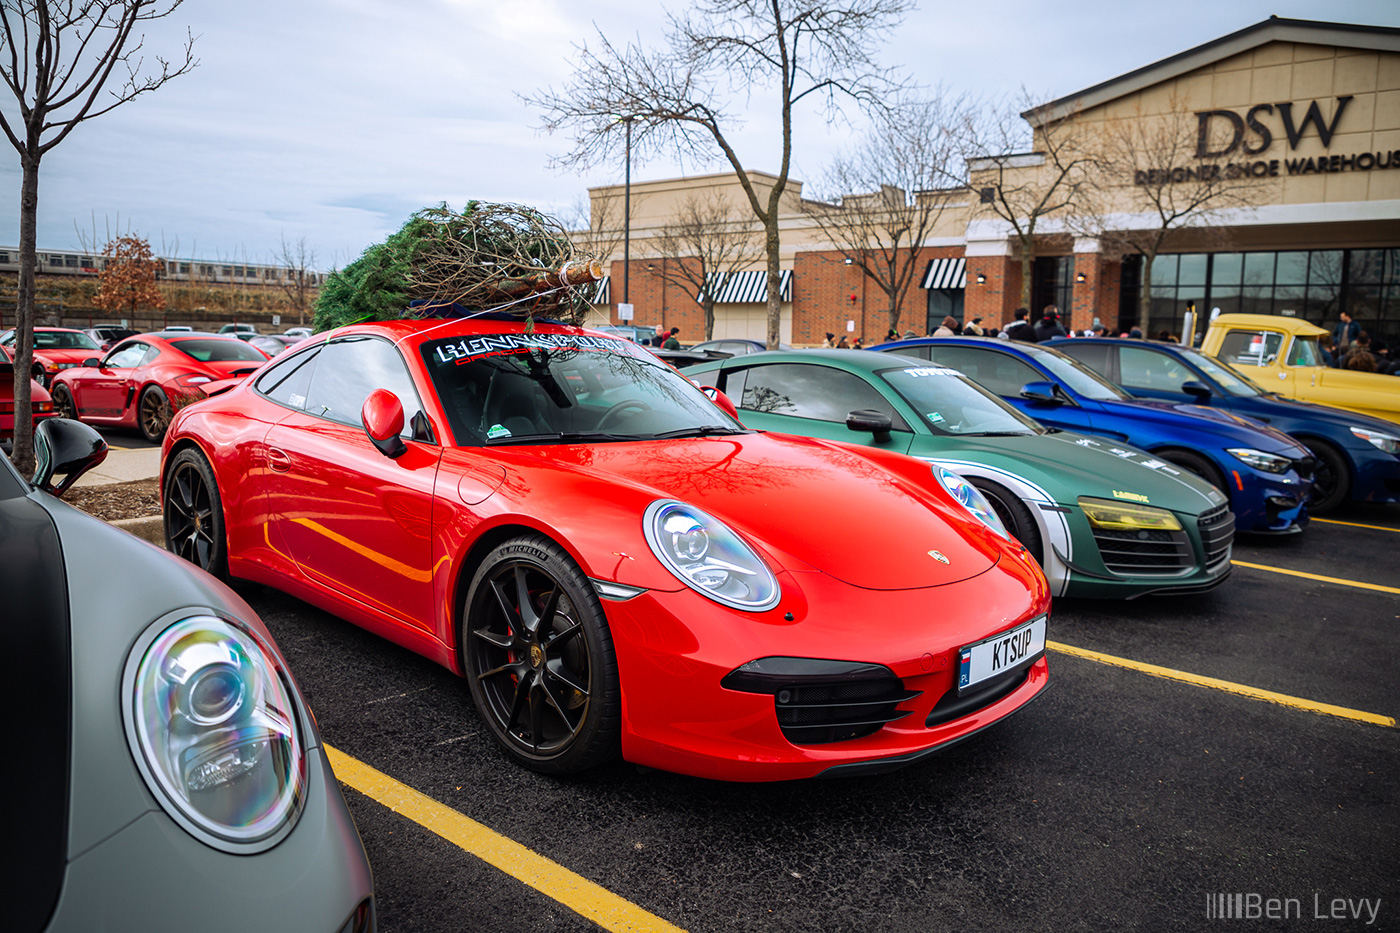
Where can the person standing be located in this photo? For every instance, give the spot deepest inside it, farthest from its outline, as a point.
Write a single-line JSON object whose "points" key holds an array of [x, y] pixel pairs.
{"points": [[1020, 329], [973, 329], [830, 341], [949, 328], [1345, 335], [1049, 325], [671, 342]]}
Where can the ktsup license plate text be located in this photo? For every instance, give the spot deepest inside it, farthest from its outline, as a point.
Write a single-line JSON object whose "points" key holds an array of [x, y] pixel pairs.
{"points": [[1001, 653]]}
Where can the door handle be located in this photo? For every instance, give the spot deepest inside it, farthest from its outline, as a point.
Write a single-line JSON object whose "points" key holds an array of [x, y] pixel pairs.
{"points": [[278, 460]]}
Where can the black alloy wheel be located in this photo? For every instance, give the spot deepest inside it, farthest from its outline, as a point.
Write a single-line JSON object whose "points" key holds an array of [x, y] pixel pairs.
{"points": [[63, 404], [1015, 516], [539, 658], [153, 414], [1331, 477], [194, 515]]}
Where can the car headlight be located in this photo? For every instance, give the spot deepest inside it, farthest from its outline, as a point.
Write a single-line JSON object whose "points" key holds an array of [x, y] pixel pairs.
{"points": [[709, 558], [970, 498], [1386, 442], [1269, 463], [1119, 516], [193, 379], [213, 729]]}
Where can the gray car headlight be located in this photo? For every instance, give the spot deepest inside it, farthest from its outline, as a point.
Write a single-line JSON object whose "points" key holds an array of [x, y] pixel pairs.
{"points": [[213, 729], [1386, 442], [1269, 463], [709, 558], [970, 498]]}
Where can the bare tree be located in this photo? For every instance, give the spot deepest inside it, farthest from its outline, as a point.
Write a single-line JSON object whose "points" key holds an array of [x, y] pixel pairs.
{"points": [[1024, 188], [298, 280], [722, 52], [56, 57], [702, 248], [1157, 176], [912, 164]]}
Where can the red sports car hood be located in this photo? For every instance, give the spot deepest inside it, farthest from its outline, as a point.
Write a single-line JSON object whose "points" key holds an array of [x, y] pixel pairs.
{"points": [[75, 357], [805, 503]]}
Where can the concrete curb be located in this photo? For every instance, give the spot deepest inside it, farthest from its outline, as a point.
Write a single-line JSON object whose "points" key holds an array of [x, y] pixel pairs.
{"points": [[149, 527]]}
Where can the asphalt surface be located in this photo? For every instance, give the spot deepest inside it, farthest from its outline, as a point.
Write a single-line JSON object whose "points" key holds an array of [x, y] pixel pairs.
{"points": [[1117, 801]]}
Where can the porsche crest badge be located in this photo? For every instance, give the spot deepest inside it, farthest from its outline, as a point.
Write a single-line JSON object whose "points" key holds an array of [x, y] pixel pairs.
{"points": [[939, 556]]}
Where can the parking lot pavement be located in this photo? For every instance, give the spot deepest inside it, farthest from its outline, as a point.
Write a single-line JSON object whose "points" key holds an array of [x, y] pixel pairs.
{"points": [[1118, 800]]}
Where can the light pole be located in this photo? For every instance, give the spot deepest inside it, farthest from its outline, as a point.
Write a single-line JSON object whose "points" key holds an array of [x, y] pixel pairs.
{"points": [[627, 210]]}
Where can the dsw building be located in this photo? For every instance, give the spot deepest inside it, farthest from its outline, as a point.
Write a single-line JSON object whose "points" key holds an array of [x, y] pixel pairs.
{"points": [[1284, 135]]}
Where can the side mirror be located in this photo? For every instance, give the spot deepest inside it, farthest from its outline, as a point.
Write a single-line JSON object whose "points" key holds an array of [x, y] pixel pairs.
{"points": [[1199, 391], [876, 422], [382, 417], [1042, 393], [92, 362], [65, 448], [724, 402]]}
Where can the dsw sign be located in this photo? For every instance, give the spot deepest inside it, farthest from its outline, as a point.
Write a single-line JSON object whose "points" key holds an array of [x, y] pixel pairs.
{"points": [[1251, 135]]}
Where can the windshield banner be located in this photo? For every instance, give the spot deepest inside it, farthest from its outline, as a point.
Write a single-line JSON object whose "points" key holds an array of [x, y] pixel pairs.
{"points": [[474, 348]]}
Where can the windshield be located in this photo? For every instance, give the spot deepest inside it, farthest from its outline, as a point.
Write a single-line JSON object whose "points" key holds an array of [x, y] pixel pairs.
{"points": [[1075, 374], [950, 403], [207, 350], [518, 388], [63, 340], [1232, 382], [1304, 352]]}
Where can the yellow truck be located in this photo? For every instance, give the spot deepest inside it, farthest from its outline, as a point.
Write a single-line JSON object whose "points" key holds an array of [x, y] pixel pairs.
{"points": [[1280, 354]]}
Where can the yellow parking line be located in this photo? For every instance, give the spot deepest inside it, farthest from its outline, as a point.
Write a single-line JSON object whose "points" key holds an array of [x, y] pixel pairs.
{"points": [[548, 877], [1333, 521], [1315, 576], [1254, 693]]}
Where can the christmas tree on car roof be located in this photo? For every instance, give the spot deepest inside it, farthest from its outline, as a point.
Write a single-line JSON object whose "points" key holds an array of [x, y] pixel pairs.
{"points": [[486, 258]]}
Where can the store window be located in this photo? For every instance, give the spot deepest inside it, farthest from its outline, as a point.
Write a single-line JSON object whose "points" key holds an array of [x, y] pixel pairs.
{"points": [[1313, 285]]}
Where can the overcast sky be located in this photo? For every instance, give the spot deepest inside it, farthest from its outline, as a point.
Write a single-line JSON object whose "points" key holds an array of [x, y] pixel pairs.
{"points": [[333, 120]]}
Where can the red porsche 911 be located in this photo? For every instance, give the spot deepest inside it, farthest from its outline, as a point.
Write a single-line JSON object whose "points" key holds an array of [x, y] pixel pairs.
{"points": [[609, 558], [141, 381]]}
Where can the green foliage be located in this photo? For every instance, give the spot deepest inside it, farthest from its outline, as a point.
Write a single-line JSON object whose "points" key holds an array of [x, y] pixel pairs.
{"points": [[374, 287]]}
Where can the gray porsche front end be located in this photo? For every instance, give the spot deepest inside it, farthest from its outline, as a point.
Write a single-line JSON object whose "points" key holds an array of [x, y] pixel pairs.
{"points": [[174, 777]]}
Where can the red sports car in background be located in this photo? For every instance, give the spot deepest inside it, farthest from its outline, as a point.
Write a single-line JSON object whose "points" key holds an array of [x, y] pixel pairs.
{"points": [[56, 349], [611, 560], [144, 379], [43, 405]]}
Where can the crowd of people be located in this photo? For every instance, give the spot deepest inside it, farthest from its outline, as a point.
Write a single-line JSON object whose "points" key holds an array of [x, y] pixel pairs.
{"points": [[1049, 325], [1350, 347]]}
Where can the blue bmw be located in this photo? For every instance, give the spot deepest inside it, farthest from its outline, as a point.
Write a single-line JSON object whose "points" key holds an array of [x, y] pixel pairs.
{"points": [[1358, 457], [1266, 474]]}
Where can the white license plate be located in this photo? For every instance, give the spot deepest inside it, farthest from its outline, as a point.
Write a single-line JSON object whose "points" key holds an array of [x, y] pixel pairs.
{"points": [[1001, 653]]}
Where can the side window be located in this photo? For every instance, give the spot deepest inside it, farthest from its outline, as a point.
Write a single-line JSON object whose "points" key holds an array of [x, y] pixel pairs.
{"points": [[1148, 369], [286, 381], [807, 391], [997, 372], [348, 370], [1092, 355], [1250, 348], [127, 356]]}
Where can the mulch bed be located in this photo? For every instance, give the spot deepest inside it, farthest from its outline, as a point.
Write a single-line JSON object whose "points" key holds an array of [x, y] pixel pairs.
{"points": [[117, 500]]}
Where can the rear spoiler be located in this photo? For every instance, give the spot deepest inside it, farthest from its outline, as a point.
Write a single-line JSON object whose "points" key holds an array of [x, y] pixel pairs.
{"points": [[220, 386]]}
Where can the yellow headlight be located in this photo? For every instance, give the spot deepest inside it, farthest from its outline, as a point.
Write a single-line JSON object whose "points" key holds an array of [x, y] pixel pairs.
{"points": [[1120, 516]]}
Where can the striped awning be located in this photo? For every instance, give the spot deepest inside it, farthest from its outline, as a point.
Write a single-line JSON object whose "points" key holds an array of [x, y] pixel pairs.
{"points": [[603, 293], [945, 273], [748, 287]]}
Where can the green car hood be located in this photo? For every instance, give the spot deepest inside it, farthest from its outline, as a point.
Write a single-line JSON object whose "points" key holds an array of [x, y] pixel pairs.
{"points": [[1068, 465]]}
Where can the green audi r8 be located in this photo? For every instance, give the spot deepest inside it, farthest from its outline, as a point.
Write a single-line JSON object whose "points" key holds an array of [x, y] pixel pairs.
{"points": [[1104, 520]]}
